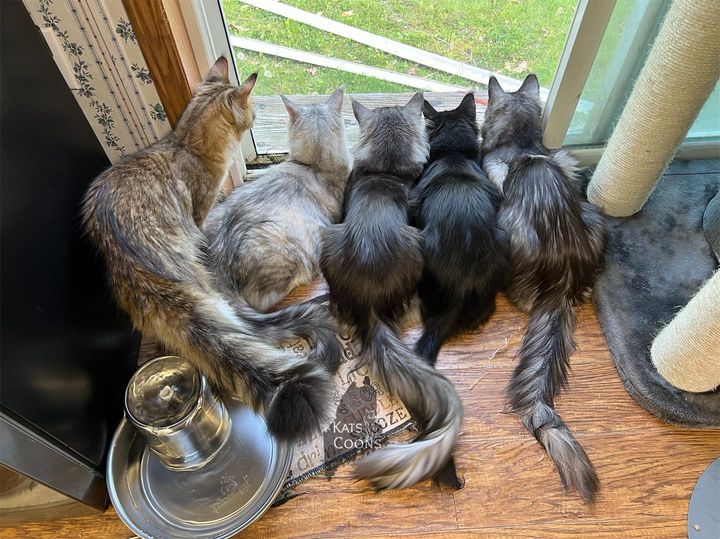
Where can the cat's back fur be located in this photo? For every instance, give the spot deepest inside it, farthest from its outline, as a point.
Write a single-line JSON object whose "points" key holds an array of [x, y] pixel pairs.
{"points": [[557, 235], [455, 206], [264, 239], [561, 245], [373, 260], [377, 259]]}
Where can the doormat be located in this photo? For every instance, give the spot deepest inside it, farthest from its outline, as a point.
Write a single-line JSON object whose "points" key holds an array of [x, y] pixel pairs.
{"points": [[365, 415]]}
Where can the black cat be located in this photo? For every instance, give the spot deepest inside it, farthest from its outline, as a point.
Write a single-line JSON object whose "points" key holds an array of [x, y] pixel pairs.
{"points": [[372, 263], [455, 205]]}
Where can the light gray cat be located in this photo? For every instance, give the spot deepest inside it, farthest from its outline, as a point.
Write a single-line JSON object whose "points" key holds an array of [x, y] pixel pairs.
{"points": [[265, 237]]}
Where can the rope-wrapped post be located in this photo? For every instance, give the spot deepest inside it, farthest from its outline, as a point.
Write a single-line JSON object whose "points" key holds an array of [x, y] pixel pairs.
{"points": [[681, 71], [687, 351]]}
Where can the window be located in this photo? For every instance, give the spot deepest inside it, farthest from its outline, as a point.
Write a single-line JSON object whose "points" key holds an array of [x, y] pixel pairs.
{"points": [[384, 51]]}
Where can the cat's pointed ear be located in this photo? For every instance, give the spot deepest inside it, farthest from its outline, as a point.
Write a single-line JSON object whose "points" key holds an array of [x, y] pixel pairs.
{"points": [[291, 108], [530, 86], [219, 71], [495, 91], [428, 110], [242, 92], [362, 113], [335, 101], [415, 105], [467, 106], [248, 84]]}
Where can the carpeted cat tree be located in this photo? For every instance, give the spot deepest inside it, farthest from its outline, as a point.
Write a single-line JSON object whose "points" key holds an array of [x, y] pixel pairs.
{"points": [[661, 258]]}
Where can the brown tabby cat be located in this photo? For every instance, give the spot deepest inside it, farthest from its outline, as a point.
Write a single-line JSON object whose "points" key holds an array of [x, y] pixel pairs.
{"points": [[144, 214]]}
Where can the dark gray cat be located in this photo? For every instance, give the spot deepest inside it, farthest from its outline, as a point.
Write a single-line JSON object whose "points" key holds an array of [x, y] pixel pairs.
{"points": [[265, 237], [556, 247], [373, 263]]}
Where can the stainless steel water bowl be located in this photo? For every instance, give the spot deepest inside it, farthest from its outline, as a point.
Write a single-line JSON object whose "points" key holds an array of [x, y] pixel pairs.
{"points": [[184, 423]]}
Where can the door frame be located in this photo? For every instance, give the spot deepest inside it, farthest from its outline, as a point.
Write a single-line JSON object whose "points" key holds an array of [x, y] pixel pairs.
{"points": [[581, 46]]}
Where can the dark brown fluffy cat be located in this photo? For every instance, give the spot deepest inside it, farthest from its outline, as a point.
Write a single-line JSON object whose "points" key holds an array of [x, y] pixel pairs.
{"points": [[556, 247], [144, 215]]}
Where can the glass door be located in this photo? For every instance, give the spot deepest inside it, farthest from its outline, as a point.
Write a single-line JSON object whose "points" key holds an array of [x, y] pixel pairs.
{"points": [[383, 51], [586, 53], [621, 53]]}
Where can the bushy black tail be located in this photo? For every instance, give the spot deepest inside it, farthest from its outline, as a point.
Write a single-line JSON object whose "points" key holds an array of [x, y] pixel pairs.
{"points": [[443, 318], [448, 317], [302, 401], [429, 396], [309, 320], [541, 373]]}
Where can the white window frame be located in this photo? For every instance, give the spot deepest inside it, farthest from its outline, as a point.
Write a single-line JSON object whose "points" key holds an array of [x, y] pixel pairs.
{"points": [[583, 42]]}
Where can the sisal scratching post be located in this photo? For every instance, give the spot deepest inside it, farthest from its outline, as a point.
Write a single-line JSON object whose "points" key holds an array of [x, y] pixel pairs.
{"points": [[676, 80], [687, 352]]}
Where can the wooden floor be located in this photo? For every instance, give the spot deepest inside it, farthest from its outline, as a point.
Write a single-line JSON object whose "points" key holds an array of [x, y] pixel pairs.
{"points": [[270, 129], [647, 468]]}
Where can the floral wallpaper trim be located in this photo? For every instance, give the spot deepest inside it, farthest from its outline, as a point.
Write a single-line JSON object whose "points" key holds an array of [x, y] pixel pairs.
{"points": [[111, 82]]}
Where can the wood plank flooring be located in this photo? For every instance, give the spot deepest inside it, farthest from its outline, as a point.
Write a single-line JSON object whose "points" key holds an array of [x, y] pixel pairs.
{"points": [[647, 468]]}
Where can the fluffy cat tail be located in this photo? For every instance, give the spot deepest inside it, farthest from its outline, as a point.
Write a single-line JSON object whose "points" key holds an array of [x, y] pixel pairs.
{"points": [[309, 320], [240, 356], [429, 396], [304, 400], [457, 316], [538, 378]]}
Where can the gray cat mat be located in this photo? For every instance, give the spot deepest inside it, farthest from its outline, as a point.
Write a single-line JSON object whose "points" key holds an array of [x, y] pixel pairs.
{"points": [[656, 261]]}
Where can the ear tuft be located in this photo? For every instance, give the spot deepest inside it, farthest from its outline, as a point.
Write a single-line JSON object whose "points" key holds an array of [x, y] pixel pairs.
{"points": [[530, 86], [290, 107], [242, 92], [495, 91], [415, 105], [362, 113], [219, 71], [335, 101], [467, 105], [428, 110], [247, 85]]}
